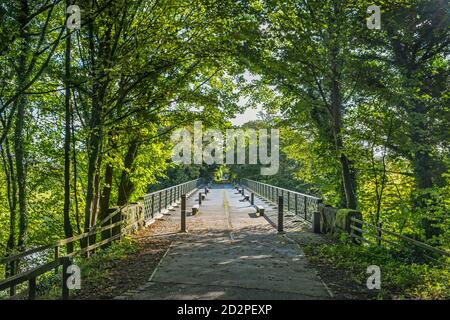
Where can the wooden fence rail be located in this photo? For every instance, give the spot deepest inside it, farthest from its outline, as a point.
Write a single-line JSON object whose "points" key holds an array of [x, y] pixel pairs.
{"points": [[116, 223], [378, 232]]}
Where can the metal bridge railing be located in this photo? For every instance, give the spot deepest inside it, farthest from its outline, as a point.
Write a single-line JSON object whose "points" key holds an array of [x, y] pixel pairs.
{"points": [[297, 203], [305, 206], [157, 202]]}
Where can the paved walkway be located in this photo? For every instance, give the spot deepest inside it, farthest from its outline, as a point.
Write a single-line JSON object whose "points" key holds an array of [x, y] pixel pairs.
{"points": [[229, 253]]}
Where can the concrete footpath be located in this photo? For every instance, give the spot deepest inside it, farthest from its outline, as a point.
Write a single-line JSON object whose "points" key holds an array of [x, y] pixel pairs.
{"points": [[229, 253]]}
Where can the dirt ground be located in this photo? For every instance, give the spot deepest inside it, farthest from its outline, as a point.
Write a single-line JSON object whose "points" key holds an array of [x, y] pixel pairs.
{"points": [[153, 243]]}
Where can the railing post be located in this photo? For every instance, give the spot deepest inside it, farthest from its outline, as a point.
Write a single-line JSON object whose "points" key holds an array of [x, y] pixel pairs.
{"points": [[305, 208], [56, 257], [183, 213], [199, 198], [116, 218], [12, 272], [296, 204], [165, 199], [288, 201], [160, 202], [65, 278], [252, 198], [280, 214], [88, 241], [153, 205], [32, 289], [316, 222]]}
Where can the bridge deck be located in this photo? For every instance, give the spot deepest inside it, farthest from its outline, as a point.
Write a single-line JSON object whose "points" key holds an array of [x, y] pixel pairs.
{"points": [[229, 253]]}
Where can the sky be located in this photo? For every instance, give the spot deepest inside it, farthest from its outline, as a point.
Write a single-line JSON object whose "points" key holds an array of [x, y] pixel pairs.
{"points": [[250, 114]]}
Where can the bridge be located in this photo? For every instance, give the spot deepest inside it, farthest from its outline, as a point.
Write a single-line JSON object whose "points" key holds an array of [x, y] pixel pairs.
{"points": [[238, 241], [228, 252]]}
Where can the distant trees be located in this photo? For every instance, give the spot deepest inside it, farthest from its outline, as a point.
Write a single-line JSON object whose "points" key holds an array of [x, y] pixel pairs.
{"points": [[363, 110]]}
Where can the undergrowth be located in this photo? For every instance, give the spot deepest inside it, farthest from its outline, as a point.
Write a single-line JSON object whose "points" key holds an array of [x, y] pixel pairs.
{"points": [[401, 278]]}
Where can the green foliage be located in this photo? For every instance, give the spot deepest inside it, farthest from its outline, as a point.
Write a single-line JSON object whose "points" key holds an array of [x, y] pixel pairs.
{"points": [[400, 279]]}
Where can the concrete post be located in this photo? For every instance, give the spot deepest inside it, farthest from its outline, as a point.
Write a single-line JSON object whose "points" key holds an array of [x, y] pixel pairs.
{"points": [[183, 213], [316, 222], [280, 214]]}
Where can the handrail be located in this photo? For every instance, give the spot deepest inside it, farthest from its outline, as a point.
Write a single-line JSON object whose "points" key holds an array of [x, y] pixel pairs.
{"points": [[110, 216], [287, 190], [172, 187], [25, 253], [27, 275], [162, 199], [302, 205], [87, 234], [415, 242]]}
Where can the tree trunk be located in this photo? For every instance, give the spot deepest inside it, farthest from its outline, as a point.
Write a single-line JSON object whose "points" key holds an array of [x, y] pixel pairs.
{"points": [[75, 178], [95, 134], [20, 122], [108, 179], [68, 231], [95, 205], [348, 180], [11, 188], [422, 162], [126, 186], [422, 166]]}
